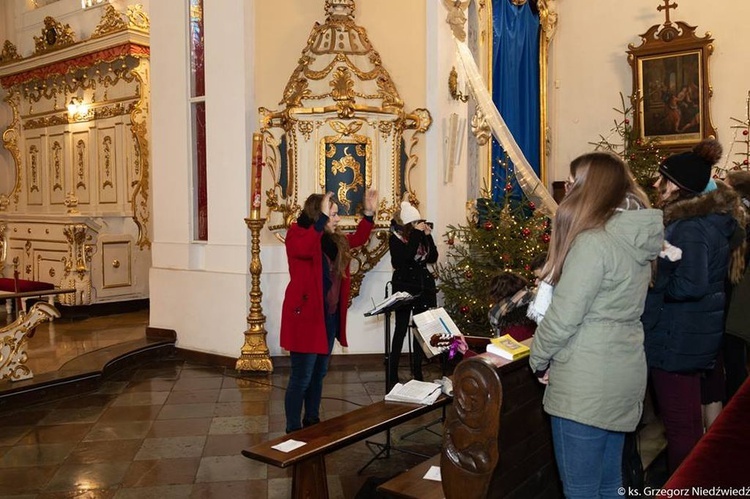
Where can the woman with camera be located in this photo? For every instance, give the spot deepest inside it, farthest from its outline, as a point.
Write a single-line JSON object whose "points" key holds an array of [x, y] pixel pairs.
{"points": [[412, 248]]}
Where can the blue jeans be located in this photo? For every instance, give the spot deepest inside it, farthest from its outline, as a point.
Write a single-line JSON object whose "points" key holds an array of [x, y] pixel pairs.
{"points": [[589, 459], [306, 382]]}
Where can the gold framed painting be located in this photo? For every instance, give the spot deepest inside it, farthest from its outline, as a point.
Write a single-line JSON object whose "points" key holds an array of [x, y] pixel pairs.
{"points": [[671, 89]]}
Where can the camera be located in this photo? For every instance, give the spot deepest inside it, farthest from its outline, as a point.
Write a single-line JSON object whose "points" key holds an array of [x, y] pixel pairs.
{"points": [[430, 225]]}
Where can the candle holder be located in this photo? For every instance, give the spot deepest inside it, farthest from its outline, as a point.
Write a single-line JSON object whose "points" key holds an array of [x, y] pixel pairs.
{"points": [[254, 355]]}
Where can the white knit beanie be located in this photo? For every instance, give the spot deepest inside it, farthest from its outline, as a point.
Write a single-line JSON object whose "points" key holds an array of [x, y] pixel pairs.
{"points": [[409, 213]]}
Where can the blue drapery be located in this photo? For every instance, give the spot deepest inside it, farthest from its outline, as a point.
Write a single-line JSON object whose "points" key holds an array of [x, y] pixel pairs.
{"points": [[515, 84]]}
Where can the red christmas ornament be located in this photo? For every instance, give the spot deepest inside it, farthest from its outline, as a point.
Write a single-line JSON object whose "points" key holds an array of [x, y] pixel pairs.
{"points": [[532, 205], [744, 162], [468, 274], [488, 225], [527, 268], [638, 142], [508, 187], [451, 241], [545, 238], [464, 309], [745, 132], [627, 121], [505, 257], [526, 232]]}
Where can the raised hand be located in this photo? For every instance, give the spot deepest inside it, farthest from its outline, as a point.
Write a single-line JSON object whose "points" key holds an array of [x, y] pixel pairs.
{"points": [[325, 204], [371, 202]]}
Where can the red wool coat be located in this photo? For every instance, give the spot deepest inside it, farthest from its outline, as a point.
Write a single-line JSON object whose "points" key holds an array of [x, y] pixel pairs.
{"points": [[303, 327]]}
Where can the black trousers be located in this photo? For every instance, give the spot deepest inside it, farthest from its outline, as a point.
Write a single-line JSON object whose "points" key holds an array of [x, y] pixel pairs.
{"points": [[735, 363], [403, 317]]}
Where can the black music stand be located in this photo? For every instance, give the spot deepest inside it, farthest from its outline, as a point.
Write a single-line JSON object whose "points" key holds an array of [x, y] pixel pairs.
{"points": [[384, 449]]}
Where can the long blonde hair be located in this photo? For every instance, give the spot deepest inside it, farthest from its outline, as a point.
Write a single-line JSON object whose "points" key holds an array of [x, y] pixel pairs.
{"points": [[602, 180]]}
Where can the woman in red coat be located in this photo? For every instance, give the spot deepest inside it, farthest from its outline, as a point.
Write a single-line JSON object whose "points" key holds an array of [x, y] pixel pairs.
{"points": [[316, 299]]}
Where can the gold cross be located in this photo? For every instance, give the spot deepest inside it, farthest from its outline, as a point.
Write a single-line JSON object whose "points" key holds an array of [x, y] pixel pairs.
{"points": [[666, 7]]}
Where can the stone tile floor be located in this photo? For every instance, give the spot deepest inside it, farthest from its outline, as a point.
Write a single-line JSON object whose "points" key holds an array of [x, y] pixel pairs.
{"points": [[174, 429]]}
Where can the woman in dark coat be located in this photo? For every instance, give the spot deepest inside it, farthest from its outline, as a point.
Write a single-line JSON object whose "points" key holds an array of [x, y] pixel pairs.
{"points": [[684, 315], [412, 248], [315, 303], [737, 337]]}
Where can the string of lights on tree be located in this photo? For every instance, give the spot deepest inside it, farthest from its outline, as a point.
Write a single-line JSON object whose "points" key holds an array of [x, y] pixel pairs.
{"points": [[497, 237]]}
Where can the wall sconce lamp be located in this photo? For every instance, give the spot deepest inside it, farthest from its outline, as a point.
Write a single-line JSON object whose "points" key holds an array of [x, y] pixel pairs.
{"points": [[77, 109], [453, 87]]}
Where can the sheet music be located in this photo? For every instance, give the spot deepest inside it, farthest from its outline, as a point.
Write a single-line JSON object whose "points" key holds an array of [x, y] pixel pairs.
{"points": [[395, 297], [434, 322]]}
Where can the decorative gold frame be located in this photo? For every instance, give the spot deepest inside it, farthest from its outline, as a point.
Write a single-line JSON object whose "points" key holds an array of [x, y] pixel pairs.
{"points": [[662, 47], [548, 23]]}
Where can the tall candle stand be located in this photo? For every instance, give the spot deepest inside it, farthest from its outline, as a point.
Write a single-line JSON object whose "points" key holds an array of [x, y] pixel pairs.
{"points": [[254, 355]]}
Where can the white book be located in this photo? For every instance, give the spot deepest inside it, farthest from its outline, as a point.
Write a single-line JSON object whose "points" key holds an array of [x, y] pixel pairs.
{"points": [[435, 329], [415, 392]]}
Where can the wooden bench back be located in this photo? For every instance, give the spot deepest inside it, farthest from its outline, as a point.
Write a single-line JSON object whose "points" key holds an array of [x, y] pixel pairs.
{"points": [[497, 440]]}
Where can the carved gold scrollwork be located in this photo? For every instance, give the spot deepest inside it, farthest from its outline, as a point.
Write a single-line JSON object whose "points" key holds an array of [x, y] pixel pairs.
{"points": [[71, 202], [111, 22], [107, 167], [14, 339], [480, 128], [56, 166], [11, 144], [341, 166], [81, 164], [139, 130], [33, 168], [3, 245], [55, 36], [9, 53], [137, 18]]}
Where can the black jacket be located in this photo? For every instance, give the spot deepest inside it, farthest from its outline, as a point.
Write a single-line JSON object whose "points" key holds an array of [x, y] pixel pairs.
{"points": [[409, 274], [683, 319]]}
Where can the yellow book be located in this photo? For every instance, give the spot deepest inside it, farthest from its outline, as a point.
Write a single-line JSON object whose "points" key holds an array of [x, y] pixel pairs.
{"points": [[507, 348]]}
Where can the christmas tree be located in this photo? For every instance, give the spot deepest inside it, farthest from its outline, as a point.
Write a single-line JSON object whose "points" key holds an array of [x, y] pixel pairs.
{"points": [[642, 156], [498, 237]]}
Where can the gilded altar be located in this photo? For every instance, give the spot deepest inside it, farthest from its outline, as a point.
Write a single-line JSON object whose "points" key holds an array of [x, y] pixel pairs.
{"points": [[77, 214], [342, 127]]}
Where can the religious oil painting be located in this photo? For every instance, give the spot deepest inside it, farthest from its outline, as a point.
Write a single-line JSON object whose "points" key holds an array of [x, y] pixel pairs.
{"points": [[671, 108], [345, 167]]}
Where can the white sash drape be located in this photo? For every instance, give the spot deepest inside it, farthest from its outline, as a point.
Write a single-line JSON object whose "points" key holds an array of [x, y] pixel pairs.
{"points": [[527, 179]]}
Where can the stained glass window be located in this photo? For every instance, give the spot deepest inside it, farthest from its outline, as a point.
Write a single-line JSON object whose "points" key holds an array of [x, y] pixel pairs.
{"points": [[198, 121]]}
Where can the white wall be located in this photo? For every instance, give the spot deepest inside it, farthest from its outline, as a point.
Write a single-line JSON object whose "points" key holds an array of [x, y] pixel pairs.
{"points": [[200, 289], [589, 66]]}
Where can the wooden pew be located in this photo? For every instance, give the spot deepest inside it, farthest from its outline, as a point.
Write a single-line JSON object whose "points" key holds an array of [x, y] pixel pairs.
{"points": [[497, 440], [308, 461]]}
